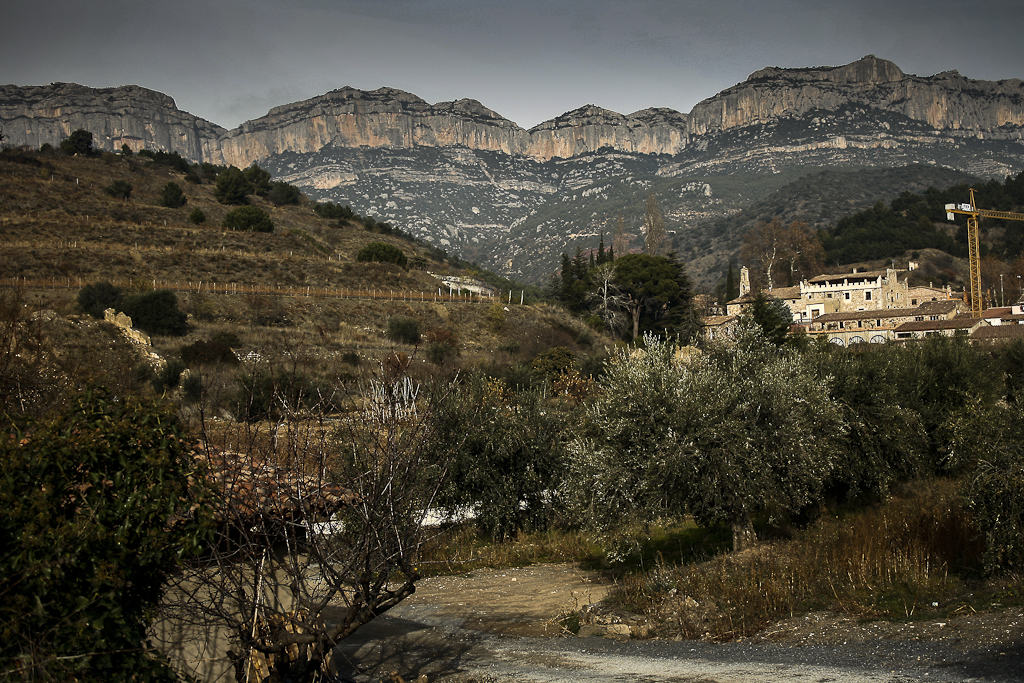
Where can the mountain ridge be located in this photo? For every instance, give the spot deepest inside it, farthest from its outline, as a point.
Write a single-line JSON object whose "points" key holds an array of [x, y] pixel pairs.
{"points": [[462, 177]]}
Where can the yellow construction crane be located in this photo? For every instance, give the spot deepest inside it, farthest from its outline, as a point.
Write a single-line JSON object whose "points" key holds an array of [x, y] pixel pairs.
{"points": [[973, 213]]}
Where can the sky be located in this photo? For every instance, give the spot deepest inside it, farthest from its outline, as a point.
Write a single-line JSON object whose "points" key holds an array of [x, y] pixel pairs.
{"points": [[229, 61]]}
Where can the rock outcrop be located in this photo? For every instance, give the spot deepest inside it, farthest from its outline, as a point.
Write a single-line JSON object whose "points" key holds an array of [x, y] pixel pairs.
{"points": [[126, 115], [947, 102]]}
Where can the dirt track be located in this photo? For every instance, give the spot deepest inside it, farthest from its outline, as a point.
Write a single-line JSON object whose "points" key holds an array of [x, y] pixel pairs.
{"points": [[504, 625]]}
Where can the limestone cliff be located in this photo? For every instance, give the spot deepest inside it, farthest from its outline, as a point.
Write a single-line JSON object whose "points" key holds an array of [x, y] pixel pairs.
{"points": [[947, 101], [126, 115], [590, 128]]}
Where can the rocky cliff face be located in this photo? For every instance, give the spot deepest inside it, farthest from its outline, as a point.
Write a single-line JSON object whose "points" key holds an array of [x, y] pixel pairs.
{"points": [[947, 102], [466, 179], [126, 115]]}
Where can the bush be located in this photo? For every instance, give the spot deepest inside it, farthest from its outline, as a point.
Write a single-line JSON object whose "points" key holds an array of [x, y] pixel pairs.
{"points": [[98, 297], [172, 196], [169, 375], [119, 189], [196, 216], [156, 312], [439, 352], [333, 211], [496, 318], [553, 362], [232, 187], [226, 338], [87, 502], [248, 218], [282, 193], [382, 252], [207, 352], [404, 330], [79, 142]]}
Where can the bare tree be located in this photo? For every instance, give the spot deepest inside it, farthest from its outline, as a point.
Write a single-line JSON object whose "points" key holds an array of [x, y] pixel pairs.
{"points": [[306, 553], [771, 245], [654, 226]]}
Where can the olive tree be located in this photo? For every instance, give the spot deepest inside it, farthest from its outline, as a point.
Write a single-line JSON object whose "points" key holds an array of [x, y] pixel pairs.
{"points": [[719, 436]]}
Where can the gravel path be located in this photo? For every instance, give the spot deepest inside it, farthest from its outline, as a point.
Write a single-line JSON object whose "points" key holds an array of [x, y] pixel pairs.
{"points": [[498, 626]]}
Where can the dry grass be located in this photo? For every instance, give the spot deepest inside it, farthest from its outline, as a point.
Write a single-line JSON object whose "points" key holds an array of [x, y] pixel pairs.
{"points": [[917, 556]]}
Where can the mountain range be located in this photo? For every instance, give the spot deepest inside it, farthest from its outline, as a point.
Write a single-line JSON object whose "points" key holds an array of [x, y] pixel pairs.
{"points": [[468, 180]]}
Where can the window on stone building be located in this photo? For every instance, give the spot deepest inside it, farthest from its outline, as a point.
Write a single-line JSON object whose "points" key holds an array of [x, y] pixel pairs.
{"points": [[867, 296]]}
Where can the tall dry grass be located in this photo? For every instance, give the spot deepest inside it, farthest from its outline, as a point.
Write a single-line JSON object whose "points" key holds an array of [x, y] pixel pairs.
{"points": [[916, 555]]}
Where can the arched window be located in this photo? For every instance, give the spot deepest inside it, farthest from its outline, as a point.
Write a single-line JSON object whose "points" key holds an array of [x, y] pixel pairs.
{"points": [[878, 339], [837, 341]]}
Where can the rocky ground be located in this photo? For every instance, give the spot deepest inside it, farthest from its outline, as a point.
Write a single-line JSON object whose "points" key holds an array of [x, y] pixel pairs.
{"points": [[492, 626]]}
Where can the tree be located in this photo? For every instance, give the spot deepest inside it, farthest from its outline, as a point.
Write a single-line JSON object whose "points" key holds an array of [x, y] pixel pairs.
{"points": [[719, 436], [403, 329], [655, 286], [119, 189], [97, 297], [771, 315], [172, 196], [335, 545], [382, 252], [510, 459], [620, 241], [258, 179], [96, 517], [156, 312], [79, 142], [654, 226], [248, 218], [196, 216], [771, 245], [232, 186], [282, 193]]}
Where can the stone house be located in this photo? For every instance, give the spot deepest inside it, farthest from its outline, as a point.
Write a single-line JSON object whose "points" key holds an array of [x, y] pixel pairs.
{"points": [[880, 325]]}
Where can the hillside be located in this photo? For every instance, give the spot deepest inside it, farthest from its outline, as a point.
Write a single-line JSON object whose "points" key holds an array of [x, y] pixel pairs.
{"points": [[62, 231]]}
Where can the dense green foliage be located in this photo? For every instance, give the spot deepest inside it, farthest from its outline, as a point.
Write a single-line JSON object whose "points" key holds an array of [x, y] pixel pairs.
{"points": [[771, 315], [79, 142], [232, 186], [97, 297], [156, 312], [382, 252], [119, 189], [282, 194], [332, 211], [172, 196], [914, 221], [248, 218], [95, 515], [656, 293], [509, 461]]}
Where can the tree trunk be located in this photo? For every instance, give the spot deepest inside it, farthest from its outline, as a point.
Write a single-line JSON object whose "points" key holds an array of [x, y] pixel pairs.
{"points": [[743, 535]]}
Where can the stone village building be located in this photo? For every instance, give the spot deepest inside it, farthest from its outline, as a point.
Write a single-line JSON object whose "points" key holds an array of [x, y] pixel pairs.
{"points": [[872, 307]]}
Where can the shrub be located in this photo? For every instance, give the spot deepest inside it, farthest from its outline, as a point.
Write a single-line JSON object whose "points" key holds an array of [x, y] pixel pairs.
{"points": [[98, 297], [439, 352], [207, 352], [553, 362], [156, 312], [495, 318], [350, 358], [196, 216], [282, 193], [226, 338], [119, 189], [382, 252], [169, 375], [248, 218], [172, 196], [79, 142], [232, 187], [403, 329]]}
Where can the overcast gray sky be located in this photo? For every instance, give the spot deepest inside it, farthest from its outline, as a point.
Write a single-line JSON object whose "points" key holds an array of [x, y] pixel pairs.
{"points": [[529, 60]]}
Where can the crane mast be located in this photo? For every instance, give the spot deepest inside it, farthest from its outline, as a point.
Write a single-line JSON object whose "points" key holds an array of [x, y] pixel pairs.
{"points": [[973, 213]]}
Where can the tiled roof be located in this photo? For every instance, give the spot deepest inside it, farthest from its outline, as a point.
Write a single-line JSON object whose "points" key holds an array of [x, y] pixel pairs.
{"points": [[839, 277], [998, 332], [951, 324], [252, 486]]}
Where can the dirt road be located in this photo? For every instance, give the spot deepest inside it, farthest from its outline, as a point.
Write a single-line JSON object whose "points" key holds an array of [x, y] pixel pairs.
{"points": [[494, 626]]}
